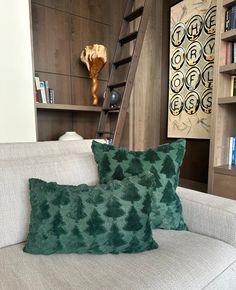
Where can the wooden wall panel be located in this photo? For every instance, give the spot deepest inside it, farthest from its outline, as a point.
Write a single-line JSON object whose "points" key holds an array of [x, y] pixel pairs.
{"points": [[61, 85], [97, 10], [195, 165], [145, 118], [85, 124], [52, 124], [224, 185], [51, 40], [87, 32], [63, 5], [81, 91], [149, 104], [61, 29]]}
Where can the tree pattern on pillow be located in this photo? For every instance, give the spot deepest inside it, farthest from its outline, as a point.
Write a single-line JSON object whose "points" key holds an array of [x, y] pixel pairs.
{"points": [[163, 162], [108, 218]]}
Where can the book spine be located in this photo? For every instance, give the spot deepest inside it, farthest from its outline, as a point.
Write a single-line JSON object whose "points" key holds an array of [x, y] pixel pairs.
{"points": [[233, 151], [46, 90], [227, 20], [43, 92], [231, 52], [230, 149], [234, 89], [40, 100], [233, 17], [51, 96], [37, 83], [229, 57], [234, 50], [232, 85]]}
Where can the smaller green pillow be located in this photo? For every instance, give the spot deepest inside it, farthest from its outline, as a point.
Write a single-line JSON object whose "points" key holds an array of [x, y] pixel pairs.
{"points": [[108, 218], [164, 162]]}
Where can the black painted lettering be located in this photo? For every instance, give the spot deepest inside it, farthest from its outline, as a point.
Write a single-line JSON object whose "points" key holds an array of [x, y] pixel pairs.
{"points": [[177, 58], [194, 28], [193, 53]]}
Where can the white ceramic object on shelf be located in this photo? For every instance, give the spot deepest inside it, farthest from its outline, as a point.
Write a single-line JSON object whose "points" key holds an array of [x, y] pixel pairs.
{"points": [[69, 136]]}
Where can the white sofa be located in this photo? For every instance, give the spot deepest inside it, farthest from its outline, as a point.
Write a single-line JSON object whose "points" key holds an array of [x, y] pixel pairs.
{"points": [[202, 258]]}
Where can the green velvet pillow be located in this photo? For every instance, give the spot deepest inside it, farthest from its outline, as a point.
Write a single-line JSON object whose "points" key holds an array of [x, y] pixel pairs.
{"points": [[164, 162], [110, 218]]}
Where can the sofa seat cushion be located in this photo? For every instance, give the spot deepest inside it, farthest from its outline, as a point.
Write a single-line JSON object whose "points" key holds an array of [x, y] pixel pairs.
{"points": [[183, 261]]}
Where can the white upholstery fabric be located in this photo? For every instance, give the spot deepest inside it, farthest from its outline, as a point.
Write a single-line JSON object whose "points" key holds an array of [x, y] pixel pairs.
{"points": [[224, 281], [184, 261], [209, 215], [16, 151], [14, 196]]}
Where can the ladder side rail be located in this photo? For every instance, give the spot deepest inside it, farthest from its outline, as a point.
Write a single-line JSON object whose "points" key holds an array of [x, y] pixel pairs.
{"points": [[131, 74], [123, 30]]}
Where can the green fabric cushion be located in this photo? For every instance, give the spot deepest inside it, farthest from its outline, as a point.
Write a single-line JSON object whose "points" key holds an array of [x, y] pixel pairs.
{"points": [[164, 162], [110, 218]]}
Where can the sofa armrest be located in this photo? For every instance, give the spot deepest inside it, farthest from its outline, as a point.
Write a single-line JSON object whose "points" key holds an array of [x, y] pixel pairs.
{"points": [[209, 215]]}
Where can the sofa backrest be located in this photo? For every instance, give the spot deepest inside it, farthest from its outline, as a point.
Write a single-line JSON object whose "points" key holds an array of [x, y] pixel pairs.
{"points": [[68, 162], [16, 151]]}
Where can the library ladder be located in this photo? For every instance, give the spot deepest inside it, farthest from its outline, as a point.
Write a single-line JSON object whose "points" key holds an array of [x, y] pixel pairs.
{"points": [[125, 37]]}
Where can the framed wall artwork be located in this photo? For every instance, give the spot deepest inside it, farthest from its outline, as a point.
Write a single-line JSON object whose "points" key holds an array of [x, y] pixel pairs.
{"points": [[192, 46]]}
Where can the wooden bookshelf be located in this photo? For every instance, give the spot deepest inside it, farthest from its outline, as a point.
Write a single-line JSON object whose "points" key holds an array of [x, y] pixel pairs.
{"points": [[228, 68], [58, 39], [226, 169], [229, 3], [227, 100], [62, 107], [229, 35], [222, 176]]}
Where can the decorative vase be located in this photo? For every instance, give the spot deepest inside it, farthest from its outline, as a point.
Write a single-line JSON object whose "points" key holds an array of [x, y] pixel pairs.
{"points": [[94, 57], [69, 136]]}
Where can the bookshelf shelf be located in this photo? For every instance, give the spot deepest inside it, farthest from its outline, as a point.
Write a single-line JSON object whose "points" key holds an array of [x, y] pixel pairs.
{"points": [[228, 68], [63, 107], [222, 179], [229, 3], [229, 35], [227, 100], [226, 170]]}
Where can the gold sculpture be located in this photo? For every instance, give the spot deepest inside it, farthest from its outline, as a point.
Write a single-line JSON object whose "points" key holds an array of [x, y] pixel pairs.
{"points": [[94, 57]]}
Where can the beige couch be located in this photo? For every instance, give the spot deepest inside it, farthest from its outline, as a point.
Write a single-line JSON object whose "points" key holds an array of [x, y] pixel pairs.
{"points": [[203, 258]]}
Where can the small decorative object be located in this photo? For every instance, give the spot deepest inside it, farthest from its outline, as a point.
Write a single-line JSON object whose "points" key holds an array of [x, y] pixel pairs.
{"points": [[114, 99], [69, 136], [94, 57]]}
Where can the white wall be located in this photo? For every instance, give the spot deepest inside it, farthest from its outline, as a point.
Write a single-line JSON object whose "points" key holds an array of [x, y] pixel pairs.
{"points": [[17, 111]]}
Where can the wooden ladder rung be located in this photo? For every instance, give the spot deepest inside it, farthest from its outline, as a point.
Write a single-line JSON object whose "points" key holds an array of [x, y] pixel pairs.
{"points": [[111, 109], [122, 61], [135, 14], [128, 38], [118, 85], [104, 133]]}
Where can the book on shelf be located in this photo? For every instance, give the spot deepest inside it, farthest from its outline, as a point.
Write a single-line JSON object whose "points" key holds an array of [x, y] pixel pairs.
{"points": [[232, 150], [233, 86], [230, 18], [43, 94], [51, 96], [227, 20], [230, 55], [46, 90]]}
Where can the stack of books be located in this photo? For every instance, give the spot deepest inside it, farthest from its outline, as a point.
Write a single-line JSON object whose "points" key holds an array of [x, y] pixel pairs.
{"points": [[232, 150], [43, 94], [230, 53]]}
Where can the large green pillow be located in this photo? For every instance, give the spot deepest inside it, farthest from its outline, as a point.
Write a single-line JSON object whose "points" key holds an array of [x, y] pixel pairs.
{"points": [[164, 162], [110, 218]]}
